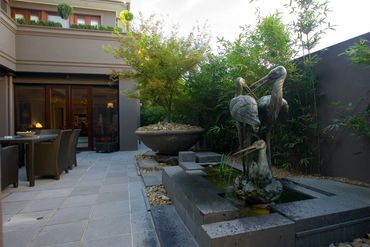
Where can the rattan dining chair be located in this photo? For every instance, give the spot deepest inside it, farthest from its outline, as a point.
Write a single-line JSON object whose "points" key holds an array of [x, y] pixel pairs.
{"points": [[9, 166], [51, 157], [72, 149]]}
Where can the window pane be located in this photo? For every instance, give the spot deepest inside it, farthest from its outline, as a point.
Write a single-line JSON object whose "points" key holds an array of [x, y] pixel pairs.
{"points": [[57, 18], [29, 106], [58, 108], [105, 118], [80, 115], [19, 16], [34, 18], [94, 23], [81, 20]]}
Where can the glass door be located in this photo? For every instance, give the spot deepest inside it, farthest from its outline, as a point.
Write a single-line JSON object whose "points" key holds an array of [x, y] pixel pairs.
{"points": [[58, 110], [80, 108], [94, 110], [69, 107]]}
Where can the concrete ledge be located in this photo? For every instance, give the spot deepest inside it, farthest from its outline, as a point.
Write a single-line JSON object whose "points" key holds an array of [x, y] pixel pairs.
{"points": [[170, 229], [321, 221], [197, 202], [262, 231]]}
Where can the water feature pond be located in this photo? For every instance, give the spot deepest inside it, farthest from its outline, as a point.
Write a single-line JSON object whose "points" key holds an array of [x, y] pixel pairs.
{"points": [[222, 176]]}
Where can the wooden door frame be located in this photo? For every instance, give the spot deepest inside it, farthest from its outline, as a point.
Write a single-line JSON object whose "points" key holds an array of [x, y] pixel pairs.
{"points": [[69, 108], [48, 89]]}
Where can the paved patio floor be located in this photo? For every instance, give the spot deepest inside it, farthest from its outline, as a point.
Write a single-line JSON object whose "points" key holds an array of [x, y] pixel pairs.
{"points": [[99, 203]]}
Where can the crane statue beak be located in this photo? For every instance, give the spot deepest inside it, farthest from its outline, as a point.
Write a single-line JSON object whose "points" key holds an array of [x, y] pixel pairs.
{"points": [[246, 151], [260, 82]]}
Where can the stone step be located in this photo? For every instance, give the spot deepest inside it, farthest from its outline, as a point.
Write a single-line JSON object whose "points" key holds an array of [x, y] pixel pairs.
{"points": [[170, 228], [190, 166], [186, 156], [204, 157], [196, 172]]}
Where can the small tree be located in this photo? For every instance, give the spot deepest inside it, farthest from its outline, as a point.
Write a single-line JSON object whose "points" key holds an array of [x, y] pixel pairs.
{"points": [[159, 61], [300, 134], [64, 10]]}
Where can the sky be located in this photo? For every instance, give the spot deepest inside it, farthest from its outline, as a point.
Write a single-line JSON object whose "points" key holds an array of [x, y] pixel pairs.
{"points": [[224, 18]]}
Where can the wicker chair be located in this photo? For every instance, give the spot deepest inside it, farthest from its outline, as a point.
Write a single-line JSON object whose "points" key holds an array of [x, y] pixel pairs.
{"points": [[51, 157], [49, 131], [72, 161], [9, 166]]}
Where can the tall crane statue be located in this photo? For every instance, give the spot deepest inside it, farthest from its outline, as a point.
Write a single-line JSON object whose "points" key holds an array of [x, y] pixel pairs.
{"points": [[244, 110], [270, 106]]}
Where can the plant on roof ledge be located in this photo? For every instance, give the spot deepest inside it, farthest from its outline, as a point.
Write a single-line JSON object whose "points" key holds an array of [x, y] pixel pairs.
{"points": [[64, 10], [125, 16]]}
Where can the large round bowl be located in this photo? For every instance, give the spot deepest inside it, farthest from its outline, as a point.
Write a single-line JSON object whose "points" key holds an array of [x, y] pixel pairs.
{"points": [[25, 133], [169, 141]]}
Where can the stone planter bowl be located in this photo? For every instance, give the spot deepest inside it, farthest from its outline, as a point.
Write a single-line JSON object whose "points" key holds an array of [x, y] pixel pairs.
{"points": [[169, 141]]}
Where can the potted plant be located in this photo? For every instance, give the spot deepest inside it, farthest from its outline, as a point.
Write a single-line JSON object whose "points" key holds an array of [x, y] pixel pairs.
{"points": [[64, 10], [125, 16], [159, 61]]}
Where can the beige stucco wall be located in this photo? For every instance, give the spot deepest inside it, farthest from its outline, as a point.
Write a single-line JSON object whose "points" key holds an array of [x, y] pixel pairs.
{"points": [[7, 41], [41, 49], [107, 10]]}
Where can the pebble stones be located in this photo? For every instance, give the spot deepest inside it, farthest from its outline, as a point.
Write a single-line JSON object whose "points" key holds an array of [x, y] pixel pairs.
{"points": [[157, 195], [357, 242]]}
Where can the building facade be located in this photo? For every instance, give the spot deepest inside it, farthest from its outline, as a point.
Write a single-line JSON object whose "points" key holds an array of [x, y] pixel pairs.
{"points": [[55, 74]]}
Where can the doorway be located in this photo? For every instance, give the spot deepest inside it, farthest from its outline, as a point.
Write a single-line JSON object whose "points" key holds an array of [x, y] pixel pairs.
{"points": [[93, 109], [69, 107]]}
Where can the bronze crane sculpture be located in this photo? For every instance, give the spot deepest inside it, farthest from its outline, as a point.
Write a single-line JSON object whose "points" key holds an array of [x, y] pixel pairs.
{"points": [[244, 110], [270, 106], [259, 185]]}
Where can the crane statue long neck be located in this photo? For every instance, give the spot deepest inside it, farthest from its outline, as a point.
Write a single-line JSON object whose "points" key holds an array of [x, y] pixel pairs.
{"points": [[239, 84], [262, 158], [277, 93], [238, 87]]}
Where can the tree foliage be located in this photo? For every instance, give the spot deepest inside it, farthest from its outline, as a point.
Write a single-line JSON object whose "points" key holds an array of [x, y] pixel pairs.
{"points": [[359, 53], [159, 60]]}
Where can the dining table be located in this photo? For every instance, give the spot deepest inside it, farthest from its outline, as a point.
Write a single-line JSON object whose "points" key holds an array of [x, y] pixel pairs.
{"points": [[29, 142]]}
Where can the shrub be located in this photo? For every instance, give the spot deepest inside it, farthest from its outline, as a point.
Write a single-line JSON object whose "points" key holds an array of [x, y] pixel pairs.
{"points": [[38, 23], [100, 27], [151, 114]]}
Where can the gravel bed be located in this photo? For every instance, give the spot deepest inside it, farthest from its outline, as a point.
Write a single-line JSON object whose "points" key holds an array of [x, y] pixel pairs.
{"points": [[157, 195]]}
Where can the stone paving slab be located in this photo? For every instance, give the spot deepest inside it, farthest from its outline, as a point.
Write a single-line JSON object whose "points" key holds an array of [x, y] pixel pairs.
{"points": [[98, 203]]}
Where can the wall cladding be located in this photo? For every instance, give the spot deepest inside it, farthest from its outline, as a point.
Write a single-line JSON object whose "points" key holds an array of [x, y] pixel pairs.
{"points": [[341, 81]]}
